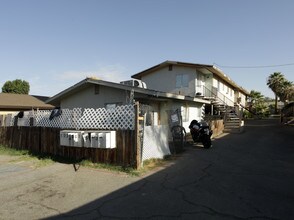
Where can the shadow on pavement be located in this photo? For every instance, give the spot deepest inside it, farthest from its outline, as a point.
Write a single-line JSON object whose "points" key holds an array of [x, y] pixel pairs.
{"points": [[242, 176]]}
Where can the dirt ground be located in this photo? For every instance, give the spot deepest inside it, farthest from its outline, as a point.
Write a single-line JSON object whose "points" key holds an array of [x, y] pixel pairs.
{"points": [[27, 192]]}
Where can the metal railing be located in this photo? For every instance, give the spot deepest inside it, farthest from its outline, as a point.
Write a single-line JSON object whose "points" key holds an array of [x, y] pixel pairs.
{"points": [[214, 93], [222, 100]]}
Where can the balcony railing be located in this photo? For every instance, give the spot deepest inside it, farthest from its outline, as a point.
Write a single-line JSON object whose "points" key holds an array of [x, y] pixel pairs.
{"points": [[213, 93]]}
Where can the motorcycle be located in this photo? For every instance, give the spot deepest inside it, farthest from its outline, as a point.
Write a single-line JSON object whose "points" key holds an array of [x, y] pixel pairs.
{"points": [[201, 133]]}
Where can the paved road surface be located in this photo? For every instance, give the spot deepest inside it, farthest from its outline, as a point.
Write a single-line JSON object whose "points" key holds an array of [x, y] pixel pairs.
{"points": [[244, 176]]}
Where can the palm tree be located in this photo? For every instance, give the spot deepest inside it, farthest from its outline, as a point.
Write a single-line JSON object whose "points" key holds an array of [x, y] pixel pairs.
{"points": [[275, 82], [257, 103], [286, 91], [255, 96]]}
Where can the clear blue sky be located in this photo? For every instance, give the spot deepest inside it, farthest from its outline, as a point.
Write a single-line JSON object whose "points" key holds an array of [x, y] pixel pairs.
{"points": [[55, 43]]}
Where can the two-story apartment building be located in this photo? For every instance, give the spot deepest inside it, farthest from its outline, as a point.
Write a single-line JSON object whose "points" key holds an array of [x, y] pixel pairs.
{"points": [[194, 80]]}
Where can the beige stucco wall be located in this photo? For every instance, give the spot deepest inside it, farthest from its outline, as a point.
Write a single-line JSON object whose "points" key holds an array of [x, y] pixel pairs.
{"points": [[165, 80], [87, 98], [225, 91], [191, 110], [8, 112], [241, 95]]}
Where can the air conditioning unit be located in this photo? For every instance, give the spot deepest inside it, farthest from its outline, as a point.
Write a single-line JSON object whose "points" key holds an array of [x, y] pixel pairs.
{"points": [[135, 83]]}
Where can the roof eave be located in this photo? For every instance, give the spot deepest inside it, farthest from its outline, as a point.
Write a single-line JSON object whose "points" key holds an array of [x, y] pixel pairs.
{"points": [[19, 108], [211, 68], [56, 99], [166, 63]]}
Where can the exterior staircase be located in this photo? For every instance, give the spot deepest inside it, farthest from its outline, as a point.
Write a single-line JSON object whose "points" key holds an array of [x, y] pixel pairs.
{"points": [[219, 105], [233, 123], [231, 117]]}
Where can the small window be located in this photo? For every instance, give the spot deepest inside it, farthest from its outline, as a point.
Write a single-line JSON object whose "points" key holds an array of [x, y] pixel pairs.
{"points": [[97, 89], [110, 106], [170, 67]]}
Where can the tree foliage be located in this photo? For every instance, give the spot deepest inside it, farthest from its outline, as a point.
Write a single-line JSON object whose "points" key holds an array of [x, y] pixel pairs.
{"points": [[286, 91], [17, 86], [281, 87], [257, 104]]}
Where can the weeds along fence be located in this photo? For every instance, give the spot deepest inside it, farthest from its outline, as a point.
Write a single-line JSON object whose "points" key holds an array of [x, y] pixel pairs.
{"points": [[43, 140], [38, 134]]}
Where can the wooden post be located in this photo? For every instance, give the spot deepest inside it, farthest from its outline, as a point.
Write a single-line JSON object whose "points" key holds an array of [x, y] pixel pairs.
{"points": [[137, 137]]}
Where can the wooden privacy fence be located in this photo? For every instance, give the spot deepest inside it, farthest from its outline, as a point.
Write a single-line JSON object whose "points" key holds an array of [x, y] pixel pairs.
{"points": [[44, 140]]}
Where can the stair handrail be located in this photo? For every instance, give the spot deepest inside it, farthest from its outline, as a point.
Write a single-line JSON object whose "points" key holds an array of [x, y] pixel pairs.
{"points": [[224, 99], [216, 96], [242, 106]]}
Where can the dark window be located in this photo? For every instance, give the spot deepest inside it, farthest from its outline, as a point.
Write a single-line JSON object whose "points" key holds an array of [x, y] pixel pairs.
{"points": [[112, 105], [97, 89], [170, 67]]}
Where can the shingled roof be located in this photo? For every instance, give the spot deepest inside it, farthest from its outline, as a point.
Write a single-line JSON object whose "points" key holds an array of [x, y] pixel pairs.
{"points": [[20, 102]]}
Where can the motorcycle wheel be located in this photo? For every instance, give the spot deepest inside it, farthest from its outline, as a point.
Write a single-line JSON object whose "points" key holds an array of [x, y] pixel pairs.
{"points": [[194, 137], [206, 142]]}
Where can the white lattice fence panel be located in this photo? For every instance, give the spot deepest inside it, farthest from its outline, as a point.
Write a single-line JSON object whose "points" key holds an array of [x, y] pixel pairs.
{"points": [[11, 118], [25, 120], [76, 114], [121, 117], [155, 142], [62, 121]]}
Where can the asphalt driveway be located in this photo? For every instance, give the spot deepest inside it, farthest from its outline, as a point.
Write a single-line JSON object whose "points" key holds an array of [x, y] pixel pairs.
{"points": [[244, 176]]}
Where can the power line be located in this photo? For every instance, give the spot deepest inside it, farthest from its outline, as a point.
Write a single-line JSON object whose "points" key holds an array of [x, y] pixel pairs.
{"points": [[253, 67]]}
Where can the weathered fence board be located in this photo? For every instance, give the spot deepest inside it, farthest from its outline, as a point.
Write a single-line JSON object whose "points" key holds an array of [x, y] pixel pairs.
{"points": [[47, 141]]}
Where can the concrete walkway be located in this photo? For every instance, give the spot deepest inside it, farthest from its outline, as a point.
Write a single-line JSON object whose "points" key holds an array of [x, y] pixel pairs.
{"points": [[244, 176]]}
